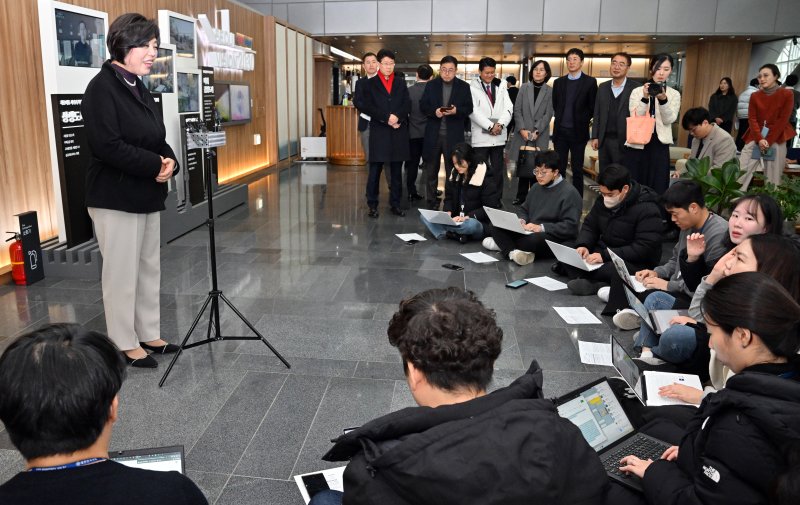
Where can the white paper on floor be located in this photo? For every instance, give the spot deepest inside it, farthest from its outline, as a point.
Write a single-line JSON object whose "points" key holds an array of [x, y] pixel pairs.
{"points": [[577, 315], [479, 257], [547, 283], [405, 237], [595, 353]]}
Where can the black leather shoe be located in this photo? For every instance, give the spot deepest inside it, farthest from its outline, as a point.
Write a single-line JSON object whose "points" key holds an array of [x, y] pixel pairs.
{"points": [[397, 211], [457, 237], [414, 197], [558, 269], [146, 362], [161, 349], [373, 213]]}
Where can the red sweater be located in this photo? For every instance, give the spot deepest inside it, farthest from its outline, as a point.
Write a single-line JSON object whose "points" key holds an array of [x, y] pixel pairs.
{"points": [[775, 109]]}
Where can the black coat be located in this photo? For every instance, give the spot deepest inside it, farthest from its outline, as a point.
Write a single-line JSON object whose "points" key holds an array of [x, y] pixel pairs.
{"points": [[473, 195], [461, 97], [632, 228], [601, 113], [385, 142], [735, 446], [126, 138], [509, 447], [358, 101], [584, 105]]}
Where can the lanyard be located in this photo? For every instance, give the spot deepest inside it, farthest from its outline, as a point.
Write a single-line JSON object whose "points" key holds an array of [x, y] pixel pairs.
{"points": [[74, 464]]}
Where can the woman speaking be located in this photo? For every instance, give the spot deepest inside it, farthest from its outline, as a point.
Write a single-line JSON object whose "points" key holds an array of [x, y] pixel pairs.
{"points": [[126, 186]]}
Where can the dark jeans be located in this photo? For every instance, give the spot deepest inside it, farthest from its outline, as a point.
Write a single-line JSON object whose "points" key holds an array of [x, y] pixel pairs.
{"points": [[327, 497], [612, 151], [412, 165], [508, 240], [374, 179], [494, 162], [568, 144], [432, 166]]}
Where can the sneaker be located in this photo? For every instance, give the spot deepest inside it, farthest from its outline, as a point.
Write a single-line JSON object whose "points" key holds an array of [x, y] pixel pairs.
{"points": [[582, 287], [521, 258], [627, 319], [489, 244], [602, 293], [650, 360]]}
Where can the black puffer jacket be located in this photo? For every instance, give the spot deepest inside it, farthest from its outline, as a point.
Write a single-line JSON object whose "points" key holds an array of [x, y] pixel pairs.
{"points": [[127, 139], [736, 446], [508, 447], [473, 191], [632, 228]]}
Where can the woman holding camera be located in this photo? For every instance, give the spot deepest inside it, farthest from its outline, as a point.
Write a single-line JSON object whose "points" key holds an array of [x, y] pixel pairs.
{"points": [[649, 163]]}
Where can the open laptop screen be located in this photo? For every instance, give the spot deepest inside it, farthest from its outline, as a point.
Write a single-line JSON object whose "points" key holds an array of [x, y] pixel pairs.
{"points": [[595, 410], [163, 459]]}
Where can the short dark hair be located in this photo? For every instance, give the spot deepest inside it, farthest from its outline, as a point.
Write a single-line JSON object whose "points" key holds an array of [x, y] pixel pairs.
{"points": [[681, 194], [754, 82], [486, 62], [385, 53], [548, 72], [731, 91], [367, 55], [779, 257], [511, 80], [575, 50], [548, 159], [450, 336], [624, 55], [768, 310], [465, 152], [695, 117], [773, 215], [128, 31], [773, 68], [614, 177], [57, 384], [424, 71], [449, 59], [658, 59], [791, 80]]}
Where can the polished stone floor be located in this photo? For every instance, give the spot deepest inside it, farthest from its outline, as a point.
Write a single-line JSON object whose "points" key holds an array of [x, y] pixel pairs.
{"points": [[320, 281]]}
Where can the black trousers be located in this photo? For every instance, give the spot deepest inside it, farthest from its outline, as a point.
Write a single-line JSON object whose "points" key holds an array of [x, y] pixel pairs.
{"points": [[508, 240], [412, 165], [494, 160], [432, 166], [744, 124], [523, 186], [650, 166], [395, 187], [612, 151], [567, 143]]}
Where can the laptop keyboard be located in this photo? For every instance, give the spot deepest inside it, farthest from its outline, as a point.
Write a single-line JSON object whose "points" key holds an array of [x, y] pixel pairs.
{"points": [[639, 446]]}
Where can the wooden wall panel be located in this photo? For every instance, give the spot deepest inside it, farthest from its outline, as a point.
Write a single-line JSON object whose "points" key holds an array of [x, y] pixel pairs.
{"points": [[25, 173], [322, 91], [703, 67]]}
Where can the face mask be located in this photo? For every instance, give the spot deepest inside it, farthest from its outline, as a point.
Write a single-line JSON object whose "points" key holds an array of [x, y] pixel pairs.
{"points": [[612, 201]]}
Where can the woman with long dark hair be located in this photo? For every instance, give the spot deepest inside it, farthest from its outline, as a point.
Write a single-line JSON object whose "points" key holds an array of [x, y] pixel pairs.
{"points": [[722, 104]]}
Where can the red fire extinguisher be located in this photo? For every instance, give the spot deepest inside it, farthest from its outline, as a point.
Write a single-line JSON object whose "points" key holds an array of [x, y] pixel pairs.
{"points": [[17, 259]]}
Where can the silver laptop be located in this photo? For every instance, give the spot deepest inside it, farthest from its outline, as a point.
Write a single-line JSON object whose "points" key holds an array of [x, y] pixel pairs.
{"points": [[163, 459], [570, 256], [505, 220], [438, 217], [624, 273], [657, 320]]}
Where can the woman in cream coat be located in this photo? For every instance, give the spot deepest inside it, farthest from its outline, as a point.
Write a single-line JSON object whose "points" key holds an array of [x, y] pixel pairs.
{"points": [[649, 163], [533, 111]]}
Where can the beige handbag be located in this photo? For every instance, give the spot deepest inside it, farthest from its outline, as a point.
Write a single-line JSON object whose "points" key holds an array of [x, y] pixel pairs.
{"points": [[640, 128]]}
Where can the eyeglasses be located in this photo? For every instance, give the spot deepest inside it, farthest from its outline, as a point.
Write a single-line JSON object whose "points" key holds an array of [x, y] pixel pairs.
{"points": [[446, 70], [619, 64], [541, 171]]}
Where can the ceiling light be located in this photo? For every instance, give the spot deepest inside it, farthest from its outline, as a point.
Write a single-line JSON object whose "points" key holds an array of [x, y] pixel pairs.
{"points": [[701, 38]]}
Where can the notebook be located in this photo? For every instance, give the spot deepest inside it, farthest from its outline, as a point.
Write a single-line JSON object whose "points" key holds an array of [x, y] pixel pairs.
{"points": [[505, 220], [596, 411], [657, 320], [570, 256], [162, 459]]}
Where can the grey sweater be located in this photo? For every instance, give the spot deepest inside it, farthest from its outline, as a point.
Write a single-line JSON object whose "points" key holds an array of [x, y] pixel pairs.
{"points": [[556, 207], [715, 230]]}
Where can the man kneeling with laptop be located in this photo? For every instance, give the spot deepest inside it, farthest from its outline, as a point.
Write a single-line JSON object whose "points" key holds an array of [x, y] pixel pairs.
{"points": [[59, 400], [551, 211], [462, 444]]}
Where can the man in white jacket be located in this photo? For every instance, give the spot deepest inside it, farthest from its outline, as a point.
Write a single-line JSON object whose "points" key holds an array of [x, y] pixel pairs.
{"points": [[492, 110]]}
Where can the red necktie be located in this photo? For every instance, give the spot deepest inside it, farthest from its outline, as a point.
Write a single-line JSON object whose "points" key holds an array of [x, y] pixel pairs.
{"points": [[489, 92]]}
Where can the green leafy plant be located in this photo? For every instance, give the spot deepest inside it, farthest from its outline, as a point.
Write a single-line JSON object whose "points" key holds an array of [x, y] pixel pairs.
{"points": [[786, 194], [720, 186]]}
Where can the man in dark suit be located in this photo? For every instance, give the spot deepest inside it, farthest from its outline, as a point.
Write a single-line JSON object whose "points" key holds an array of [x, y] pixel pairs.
{"points": [[610, 126], [416, 127], [370, 63], [573, 101], [388, 104], [447, 101]]}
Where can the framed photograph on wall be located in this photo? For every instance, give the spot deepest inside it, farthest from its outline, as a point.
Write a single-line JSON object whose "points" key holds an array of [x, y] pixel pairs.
{"points": [[188, 92], [161, 78], [180, 30], [80, 38]]}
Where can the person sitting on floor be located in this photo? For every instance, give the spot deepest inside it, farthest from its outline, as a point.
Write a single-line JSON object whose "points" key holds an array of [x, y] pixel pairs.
{"points": [[59, 399], [627, 220], [551, 211], [743, 444], [685, 203], [462, 444], [468, 190]]}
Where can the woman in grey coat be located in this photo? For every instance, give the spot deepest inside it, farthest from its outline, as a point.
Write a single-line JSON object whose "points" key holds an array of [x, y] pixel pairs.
{"points": [[533, 111]]}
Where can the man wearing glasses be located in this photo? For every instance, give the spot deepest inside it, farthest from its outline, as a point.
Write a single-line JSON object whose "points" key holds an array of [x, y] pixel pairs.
{"points": [[708, 139], [609, 129], [447, 101]]}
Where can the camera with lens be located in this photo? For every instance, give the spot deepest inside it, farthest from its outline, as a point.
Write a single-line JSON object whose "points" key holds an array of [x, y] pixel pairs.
{"points": [[655, 88]]}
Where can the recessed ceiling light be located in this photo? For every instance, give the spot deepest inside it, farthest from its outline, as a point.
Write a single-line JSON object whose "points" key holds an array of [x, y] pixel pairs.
{"points": [[701, 38], [654, 38]]}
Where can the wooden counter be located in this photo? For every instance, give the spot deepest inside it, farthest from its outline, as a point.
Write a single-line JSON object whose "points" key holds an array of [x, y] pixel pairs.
{"points": [[344, 139]]}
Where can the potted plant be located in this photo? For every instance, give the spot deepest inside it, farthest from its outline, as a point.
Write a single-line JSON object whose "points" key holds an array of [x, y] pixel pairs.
{"points": [[787, 195], [720, 186]]}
